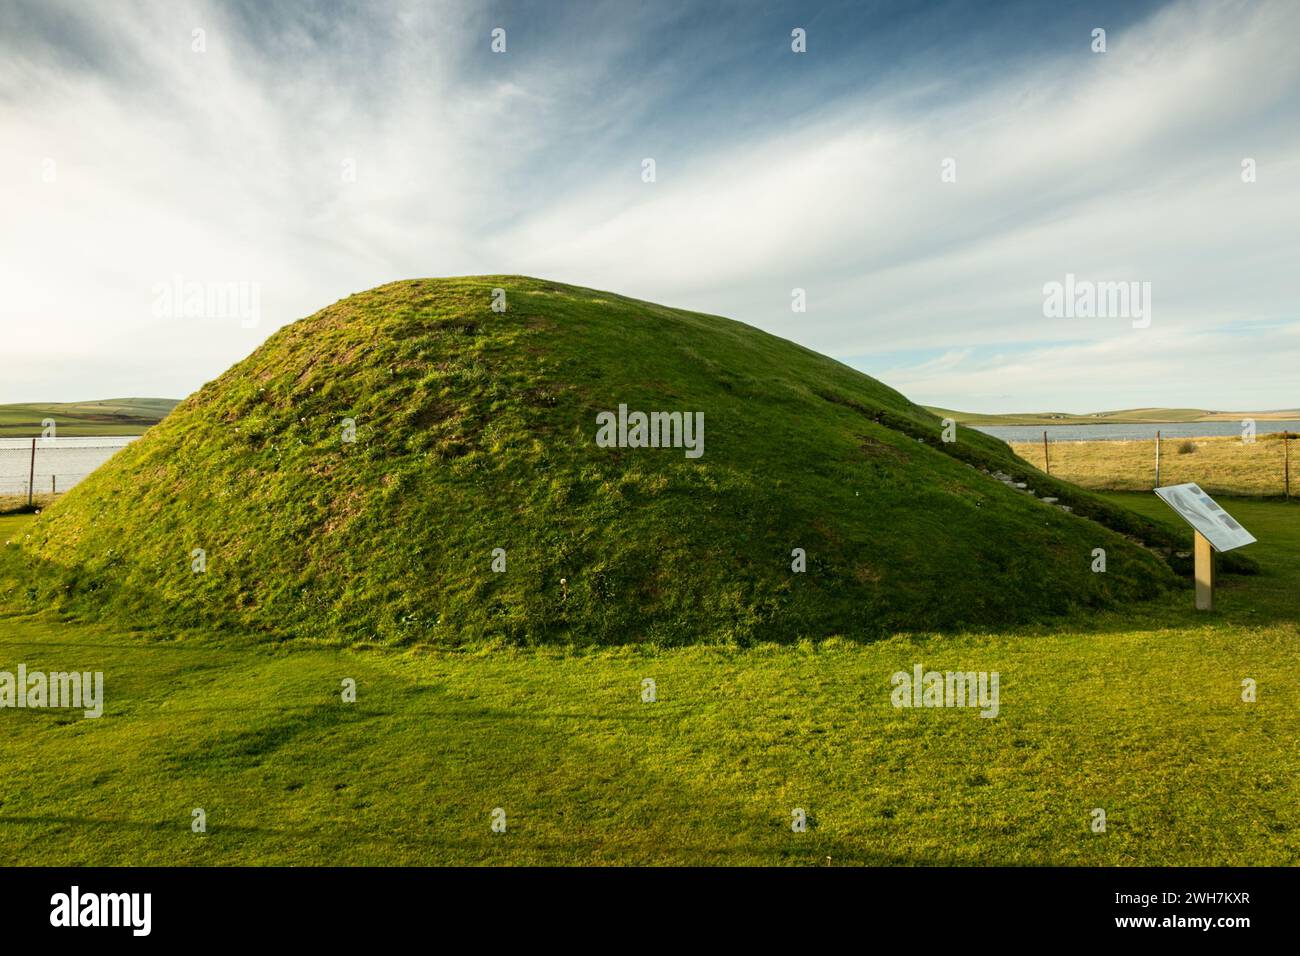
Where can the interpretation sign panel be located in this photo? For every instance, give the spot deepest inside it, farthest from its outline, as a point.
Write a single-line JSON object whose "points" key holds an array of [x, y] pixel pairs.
{"points": [[1205, 515]]}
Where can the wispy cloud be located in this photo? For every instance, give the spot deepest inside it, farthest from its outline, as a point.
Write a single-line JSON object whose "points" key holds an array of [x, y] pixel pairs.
{"points": [[775, 171]]}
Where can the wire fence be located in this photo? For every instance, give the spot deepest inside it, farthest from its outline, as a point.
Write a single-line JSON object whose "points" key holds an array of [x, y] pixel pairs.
{"points": [[36, 468], [1265, 466]]}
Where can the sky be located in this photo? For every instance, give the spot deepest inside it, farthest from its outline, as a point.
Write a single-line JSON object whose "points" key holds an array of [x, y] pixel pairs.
{"points": [[923, 173]]}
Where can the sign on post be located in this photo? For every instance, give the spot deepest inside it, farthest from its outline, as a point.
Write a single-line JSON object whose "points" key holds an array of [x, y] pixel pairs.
{"points": [[1216, 530]]}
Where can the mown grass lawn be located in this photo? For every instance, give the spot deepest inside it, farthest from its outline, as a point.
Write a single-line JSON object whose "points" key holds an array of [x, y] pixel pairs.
{"points": [[1139, 714]]}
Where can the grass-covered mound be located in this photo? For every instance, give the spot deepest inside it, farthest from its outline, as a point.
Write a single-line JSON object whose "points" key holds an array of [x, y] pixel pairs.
{"points": [[476, 430]]}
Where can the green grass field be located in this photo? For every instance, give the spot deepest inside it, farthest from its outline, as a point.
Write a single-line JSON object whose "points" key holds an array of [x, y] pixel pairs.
{"points": [[1138, 713], [114, 416]]}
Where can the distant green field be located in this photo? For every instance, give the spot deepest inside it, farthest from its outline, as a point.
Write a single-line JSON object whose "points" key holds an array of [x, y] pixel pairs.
{"points": [[114, 416], [1128, 416], [1138, 713]]}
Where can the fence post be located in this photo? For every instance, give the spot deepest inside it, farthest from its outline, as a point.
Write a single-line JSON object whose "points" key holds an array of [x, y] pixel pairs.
{"points": [[1286, 461], [1047, 464], [31, 476], [1157, 458]]}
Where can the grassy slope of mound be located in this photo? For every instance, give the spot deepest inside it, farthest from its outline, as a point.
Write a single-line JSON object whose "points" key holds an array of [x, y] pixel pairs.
{"points": [[476, 430]]}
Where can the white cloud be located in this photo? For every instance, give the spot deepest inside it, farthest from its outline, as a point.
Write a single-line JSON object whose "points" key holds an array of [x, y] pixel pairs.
{"points": [[227, 165]]}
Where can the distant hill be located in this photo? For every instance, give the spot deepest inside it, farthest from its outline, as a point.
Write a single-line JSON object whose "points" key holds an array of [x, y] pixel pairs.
{"points": [[408, 465], [111, 416], [1127, 416]]}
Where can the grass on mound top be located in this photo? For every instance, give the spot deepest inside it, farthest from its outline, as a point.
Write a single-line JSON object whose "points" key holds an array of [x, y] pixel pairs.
{"points": [[475, 431]]}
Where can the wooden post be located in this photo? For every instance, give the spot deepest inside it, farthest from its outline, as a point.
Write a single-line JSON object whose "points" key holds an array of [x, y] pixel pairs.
{"points": [[1204, 573], [1286, 461], [1157, 458], [52, 491], [31, 476], [1047, 464]]}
